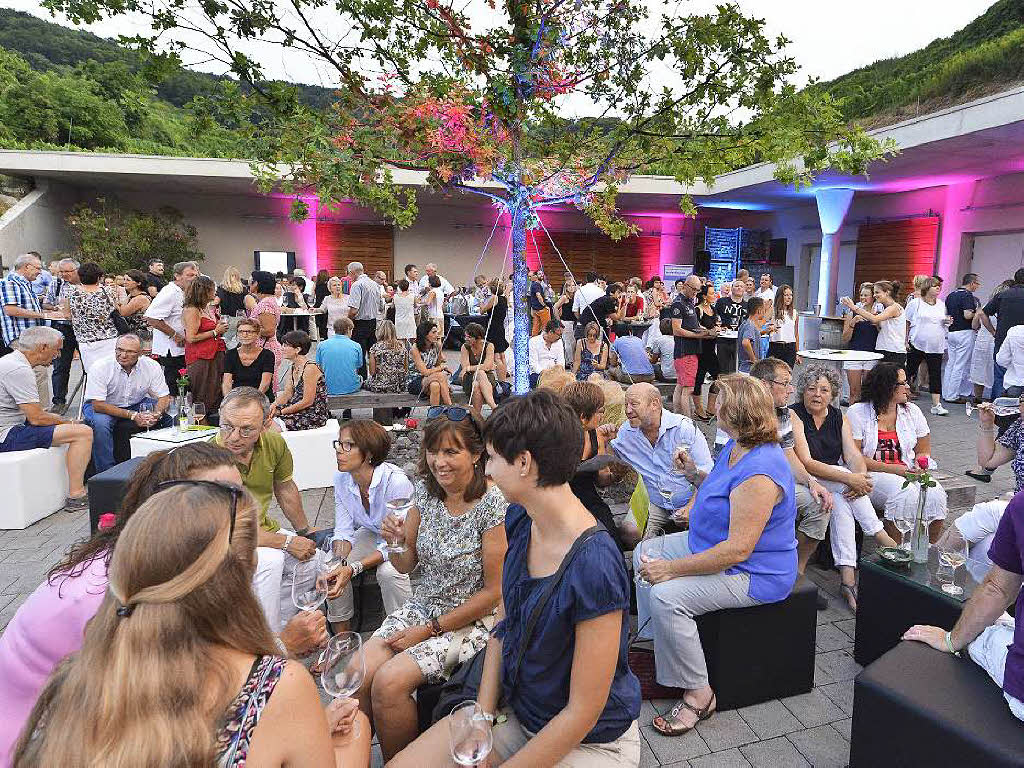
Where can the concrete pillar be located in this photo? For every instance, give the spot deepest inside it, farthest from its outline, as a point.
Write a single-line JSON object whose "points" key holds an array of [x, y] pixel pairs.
{"points": [[833, 205]]}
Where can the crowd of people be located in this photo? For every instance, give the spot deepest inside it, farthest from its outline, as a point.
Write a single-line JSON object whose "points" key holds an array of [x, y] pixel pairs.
{"points": [[519, 561]]}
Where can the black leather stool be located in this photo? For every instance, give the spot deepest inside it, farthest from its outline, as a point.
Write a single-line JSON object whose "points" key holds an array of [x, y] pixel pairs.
{"points": [[916, 706], [762, 652], [106, 490]]}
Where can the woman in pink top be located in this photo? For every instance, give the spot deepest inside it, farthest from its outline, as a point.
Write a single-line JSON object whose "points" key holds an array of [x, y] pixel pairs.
{"points": [[264, 309], [51, 623]]}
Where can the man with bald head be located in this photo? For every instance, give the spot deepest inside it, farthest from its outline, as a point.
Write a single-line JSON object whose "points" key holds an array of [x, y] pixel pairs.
{"points": [[648, 443], [689, 335], [732, 308]]}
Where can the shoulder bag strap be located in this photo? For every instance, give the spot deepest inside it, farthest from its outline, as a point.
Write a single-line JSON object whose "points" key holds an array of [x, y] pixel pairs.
{"points": [[549, 588]]}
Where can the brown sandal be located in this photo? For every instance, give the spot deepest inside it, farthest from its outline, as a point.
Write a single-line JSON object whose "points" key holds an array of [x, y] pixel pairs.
{"points": [[672, 728]]}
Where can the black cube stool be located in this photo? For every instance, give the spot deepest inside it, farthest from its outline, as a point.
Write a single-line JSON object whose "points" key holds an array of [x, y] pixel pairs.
{"points": [[106, 490], [762, 652], [917, 706]]}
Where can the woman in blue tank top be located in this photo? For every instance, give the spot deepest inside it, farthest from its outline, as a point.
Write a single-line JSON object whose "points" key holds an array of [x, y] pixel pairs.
{"points": [[740, 549]]}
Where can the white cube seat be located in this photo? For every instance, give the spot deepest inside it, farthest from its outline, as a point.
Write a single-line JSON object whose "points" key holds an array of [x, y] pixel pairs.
{"points": [[34, 483], [313, 455]]}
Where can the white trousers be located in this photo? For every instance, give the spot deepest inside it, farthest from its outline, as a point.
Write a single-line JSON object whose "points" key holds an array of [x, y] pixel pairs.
{"points": [[889, 496], [93, 351], [978, 527], [989, 652], [956, 376], [844, 512], [272, 582], [395, 587]]}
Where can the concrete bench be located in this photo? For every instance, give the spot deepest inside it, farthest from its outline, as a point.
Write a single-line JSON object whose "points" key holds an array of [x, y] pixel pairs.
{"points": [[35, 485], [384, 404]]}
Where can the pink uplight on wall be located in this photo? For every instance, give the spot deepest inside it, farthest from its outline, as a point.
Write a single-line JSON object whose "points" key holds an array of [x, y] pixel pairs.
{"points": [[302, 233]]}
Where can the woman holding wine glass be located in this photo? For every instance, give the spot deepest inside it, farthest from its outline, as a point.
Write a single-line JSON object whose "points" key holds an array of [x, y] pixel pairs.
{"points": [[569, 697], [454, 535], [363, 488]]}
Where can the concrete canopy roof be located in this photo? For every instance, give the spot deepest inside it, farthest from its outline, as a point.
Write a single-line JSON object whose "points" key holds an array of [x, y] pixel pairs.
{"points": [[971, 141]]}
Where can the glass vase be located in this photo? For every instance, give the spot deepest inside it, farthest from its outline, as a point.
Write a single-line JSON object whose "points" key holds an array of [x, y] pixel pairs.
{"points": [[919, 543]]}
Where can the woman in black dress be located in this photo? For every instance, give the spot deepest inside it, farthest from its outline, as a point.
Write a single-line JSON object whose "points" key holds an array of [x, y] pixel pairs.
{"points": [[707, 362], [320, 292], [496, 309], [587, 400]]}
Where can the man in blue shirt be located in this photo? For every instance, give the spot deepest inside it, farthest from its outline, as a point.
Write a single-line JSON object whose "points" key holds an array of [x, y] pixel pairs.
{"points": [[649, 442], [630, 362], [538, 305], [339, 357]]}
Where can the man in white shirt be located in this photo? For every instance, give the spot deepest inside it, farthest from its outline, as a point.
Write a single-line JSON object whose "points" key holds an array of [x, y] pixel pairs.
{"points": [[363, 309], [123, 394], [164, 317], [431, 269], [585, 295], [766, 290], [546, 350]]}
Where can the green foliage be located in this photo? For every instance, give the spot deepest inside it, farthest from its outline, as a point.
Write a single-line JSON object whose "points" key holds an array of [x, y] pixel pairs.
{"points": [[986, 54], [118, 239]]}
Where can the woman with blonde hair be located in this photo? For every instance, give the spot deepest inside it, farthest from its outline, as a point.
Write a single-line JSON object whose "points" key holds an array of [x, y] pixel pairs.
{"points": [[860, 334], [231, 295], [335, 302], [591, 353], [740, 549], [388, 361], [891, 321], [208, 686]]}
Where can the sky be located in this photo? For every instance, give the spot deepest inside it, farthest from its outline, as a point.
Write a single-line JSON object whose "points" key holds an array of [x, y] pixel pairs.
{"points": [[828, 39]]}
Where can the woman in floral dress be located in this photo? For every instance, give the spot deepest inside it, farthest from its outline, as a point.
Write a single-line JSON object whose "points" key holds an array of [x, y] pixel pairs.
{"points": [[262, 307], [455, 535]]}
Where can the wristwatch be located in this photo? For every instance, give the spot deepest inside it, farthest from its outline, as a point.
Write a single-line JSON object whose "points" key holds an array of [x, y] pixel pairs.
{"points": [[302, 531], [288, 538]]}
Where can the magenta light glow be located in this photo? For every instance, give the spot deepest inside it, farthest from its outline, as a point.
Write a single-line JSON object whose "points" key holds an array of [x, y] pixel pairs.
{"points": [[302, 233]]}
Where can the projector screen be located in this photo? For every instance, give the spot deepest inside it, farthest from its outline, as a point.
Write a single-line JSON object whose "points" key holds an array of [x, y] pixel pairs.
{"points": [[275, 261]]}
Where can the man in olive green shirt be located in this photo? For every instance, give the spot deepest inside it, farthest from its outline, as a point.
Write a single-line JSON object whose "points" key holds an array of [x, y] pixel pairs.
{"points": [[265, 462]]}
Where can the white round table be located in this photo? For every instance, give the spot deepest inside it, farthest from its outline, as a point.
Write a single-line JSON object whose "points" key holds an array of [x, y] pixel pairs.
{"points": [[836, 358]]}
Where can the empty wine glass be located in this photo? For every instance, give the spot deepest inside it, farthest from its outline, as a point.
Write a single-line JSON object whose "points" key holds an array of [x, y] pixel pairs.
{"points": [[198, 412], [398, 506], [651, 548], [904, 524], [146, 409], [952, 554], [469, 732], [344, 668], [309, 590], [172, 409]]}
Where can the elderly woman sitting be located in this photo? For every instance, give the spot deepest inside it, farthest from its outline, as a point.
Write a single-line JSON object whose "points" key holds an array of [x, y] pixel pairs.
{"points": [[740, 549], [894, 438], [824, 444]]}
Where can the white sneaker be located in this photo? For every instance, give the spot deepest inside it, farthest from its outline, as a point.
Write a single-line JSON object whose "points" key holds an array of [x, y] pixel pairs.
{"points": [[938, 410]]}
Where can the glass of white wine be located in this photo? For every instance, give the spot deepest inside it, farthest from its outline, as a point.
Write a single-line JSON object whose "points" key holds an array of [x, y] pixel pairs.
{"points": [[904, 524], [309, 590], [469, 732], [952, 554], [651, 548]]}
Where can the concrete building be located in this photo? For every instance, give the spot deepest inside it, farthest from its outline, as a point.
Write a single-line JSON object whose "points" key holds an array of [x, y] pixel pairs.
{"points": [[951, 202]]}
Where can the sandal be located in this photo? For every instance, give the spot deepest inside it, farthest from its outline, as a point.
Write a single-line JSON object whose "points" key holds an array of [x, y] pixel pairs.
{"points": [[850, 594], [979, 476], [672, 728]]}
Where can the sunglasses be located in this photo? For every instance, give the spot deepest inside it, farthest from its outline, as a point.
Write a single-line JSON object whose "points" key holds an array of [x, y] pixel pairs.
{"points": [[235, 492], [452, 413]]}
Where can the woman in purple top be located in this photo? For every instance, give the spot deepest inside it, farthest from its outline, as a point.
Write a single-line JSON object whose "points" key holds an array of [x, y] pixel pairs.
{"points": [[51, 623], [994, 641], [740, 549]]}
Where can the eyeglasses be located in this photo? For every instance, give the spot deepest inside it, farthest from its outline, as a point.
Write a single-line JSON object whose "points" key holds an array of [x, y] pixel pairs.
{"points": [[782, 383], [235, 491], [345, 446], [819, 390], [245, 432], [452, 413]]}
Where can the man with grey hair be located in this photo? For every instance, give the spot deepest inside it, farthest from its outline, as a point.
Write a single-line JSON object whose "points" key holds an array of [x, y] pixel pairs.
{"points": [[22, 310], [25, 425], [266, 465], [125, 393], [363, 308], [164, 317], [429, 271], [59, 296]]}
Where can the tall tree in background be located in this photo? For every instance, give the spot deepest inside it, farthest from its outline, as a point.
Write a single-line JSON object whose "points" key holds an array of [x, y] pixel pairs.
{"points": [[531, 103]]}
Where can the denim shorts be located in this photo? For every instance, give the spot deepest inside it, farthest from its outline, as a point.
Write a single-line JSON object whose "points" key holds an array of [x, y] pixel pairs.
{"points": [[25, 437]]}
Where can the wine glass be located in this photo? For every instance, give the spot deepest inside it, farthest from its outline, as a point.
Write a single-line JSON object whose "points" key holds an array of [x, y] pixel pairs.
{"points": [[651, 548], [344, 668], [398, 506], [469, 732], [904, 524], [309, 590], [146, 408], [952, 554], [198, 412], [172, 409]]}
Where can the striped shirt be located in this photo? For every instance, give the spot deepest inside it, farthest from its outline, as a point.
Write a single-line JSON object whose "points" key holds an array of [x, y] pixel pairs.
{"points": [[17, 291]]}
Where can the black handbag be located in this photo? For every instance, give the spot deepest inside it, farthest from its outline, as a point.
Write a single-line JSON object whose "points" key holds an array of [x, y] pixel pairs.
{"points": [[119, 321], [464, 683]]}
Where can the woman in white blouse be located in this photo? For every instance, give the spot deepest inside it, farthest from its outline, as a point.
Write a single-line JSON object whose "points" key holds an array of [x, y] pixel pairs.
{"points": [[785, 339], [928, 322], [891, 321], [336, 304], [894, 438], [362, 486]]}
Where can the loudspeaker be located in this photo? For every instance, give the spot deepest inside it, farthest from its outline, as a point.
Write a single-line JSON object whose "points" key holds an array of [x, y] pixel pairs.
{"points": [[702, 263], [777, 251]]}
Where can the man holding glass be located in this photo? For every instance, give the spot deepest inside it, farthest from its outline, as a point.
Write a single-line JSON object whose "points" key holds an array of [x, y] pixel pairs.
{"points": [[124, 394], [265, 463]]}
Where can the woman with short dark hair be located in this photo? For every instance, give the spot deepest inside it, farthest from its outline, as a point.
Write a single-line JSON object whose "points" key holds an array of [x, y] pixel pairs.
{"points": [[740, 549], [453, 535], [302, 402], [567, 694], [90, 305]]}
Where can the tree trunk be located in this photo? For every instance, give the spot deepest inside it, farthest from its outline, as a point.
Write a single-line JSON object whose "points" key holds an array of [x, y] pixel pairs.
{"points": [[521, 319]]}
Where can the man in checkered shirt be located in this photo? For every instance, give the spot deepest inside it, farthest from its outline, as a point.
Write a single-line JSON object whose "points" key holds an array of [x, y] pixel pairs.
{"points": [[21, 310]]}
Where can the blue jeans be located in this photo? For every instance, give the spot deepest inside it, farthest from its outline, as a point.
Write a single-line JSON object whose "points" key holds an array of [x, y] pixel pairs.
{"points": [[108, 430], [62, 365], [998, 372]]}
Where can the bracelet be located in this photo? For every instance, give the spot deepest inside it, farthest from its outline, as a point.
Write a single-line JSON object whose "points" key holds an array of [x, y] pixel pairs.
{"points": [[949, 642], [435, 627], [357, 568]]}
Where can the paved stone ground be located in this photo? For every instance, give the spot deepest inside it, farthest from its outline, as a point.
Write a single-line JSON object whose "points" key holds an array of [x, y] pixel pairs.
{"points": [[812, 729]]}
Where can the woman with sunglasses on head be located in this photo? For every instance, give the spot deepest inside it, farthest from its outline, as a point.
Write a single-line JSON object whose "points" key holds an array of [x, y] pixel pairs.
{"points": [[208, 686], [428, 371], [568, 697], [51, 622], [893, 435], [453, 535], [362, 487]]}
